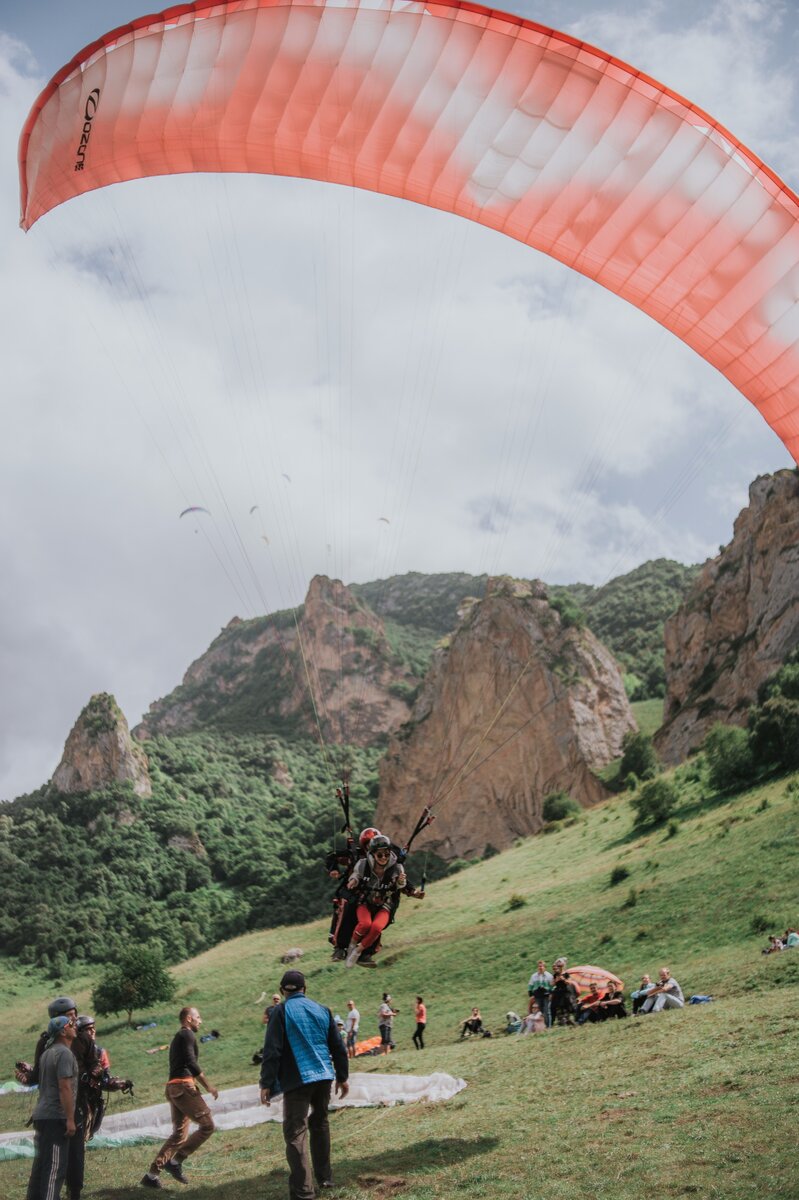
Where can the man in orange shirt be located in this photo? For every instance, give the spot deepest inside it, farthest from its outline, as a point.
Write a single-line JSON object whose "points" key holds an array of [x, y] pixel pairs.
{"points": [[421, 1021]]}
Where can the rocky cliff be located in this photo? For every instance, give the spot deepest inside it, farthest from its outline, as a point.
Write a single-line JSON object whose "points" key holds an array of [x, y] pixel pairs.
{"points": [[100, 751], [519, 705], [332, 669], [738, 623]]}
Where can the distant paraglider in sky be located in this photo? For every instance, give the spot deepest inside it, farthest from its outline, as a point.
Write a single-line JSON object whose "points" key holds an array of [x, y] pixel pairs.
{"points": [[384, 519], [470, 110], [194, 508], [286, 477], [253, 509]]}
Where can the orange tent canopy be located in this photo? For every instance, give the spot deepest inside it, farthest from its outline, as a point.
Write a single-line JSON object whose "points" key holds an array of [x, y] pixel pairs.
{"points": [[582, 977]]}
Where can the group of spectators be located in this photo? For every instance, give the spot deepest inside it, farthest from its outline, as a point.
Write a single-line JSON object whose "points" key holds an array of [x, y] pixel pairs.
{"points": [[556, 998], [788, 941]]}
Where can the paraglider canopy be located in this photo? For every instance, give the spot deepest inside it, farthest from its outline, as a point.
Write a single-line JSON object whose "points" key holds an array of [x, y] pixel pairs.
{"points": [[462, 108]]}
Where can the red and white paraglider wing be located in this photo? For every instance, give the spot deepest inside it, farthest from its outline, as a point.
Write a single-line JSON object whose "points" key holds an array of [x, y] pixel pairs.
{"points": [[470, 110]]}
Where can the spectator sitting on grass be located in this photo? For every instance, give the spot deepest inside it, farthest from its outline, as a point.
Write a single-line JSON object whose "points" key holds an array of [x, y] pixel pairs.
{"points": [[774, 945], [791, 939], [613, 1003], [534, 1021], [589, 1006], [641, 993], [473, 1024], [514, 1023], [666, 994]]}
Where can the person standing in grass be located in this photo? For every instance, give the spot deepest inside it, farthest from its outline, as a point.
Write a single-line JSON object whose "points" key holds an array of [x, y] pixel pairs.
{"points": [[185, 1103], [54, 1114], [351, 1027], [421, 1022], [540, 986], [303, 1055], [385, 1021]]}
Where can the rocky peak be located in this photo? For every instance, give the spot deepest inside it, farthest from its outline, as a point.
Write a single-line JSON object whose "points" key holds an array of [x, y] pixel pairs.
{"points": [[518, 705], [260, 675], [739, 621], [100, 751]]}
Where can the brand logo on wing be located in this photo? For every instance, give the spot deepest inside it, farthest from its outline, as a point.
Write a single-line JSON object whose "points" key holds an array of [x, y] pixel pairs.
{"points": [[92, 102]]}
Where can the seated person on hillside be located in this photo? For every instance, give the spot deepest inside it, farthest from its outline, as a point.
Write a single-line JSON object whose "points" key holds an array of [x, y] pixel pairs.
{"points": [[791, 939], [589, 1007], [613, 1003], [534, 1022], [563, 1001], [667, 993], [514, 1023], [641, 993], [473, 1024], [774, 946]]}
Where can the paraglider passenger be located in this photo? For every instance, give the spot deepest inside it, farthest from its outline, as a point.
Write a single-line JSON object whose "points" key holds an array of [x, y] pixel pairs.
{"points": [[376, 881]]}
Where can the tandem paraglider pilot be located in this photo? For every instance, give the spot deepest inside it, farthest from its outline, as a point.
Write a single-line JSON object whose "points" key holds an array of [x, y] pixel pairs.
{"points": [[303, 1055]]}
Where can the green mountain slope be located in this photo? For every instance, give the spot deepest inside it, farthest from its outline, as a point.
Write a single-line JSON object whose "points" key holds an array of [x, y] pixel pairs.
{"points": [[691, 1103]]}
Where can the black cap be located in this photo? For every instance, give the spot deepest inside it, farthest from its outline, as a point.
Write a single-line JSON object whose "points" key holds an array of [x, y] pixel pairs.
{"points": [[292, 981]]}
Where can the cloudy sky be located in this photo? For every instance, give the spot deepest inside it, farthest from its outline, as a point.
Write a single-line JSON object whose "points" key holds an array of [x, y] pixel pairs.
{"points": [[333, 357]]}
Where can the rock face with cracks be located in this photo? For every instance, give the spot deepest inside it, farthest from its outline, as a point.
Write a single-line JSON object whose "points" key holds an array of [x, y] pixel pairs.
{"points": [[739, 622], [100, 751], [329, 673], [516, 707]]}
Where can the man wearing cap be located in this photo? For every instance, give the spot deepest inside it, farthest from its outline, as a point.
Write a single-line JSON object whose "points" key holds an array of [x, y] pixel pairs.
{"points": [[63, 1006], [185, 1103], [303, 1054], [54, 1114]]}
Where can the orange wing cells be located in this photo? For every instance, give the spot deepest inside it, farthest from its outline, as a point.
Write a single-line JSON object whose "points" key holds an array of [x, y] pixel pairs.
{"points": [[465, 109]]}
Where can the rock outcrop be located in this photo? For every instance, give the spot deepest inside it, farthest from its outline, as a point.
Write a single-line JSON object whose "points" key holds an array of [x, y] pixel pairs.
{"points": [[519, 705], [100, 751], [260, 676], [739, 622]]}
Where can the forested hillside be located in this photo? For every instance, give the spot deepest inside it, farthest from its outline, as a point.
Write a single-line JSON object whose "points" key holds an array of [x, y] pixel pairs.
{"points": [[233, 838]]}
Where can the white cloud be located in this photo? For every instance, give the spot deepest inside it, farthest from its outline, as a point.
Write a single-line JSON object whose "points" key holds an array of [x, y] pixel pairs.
{"points": [[189, 341]]}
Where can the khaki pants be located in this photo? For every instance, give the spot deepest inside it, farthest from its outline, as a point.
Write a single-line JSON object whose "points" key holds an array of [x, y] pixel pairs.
{"points": [[186, 1105], [297, 1123]]}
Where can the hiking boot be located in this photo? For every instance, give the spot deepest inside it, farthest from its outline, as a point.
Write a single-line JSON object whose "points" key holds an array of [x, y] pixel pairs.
{"points": [[176, 1171], [151, 1181], [366, 962], [353, 954], [338, 955]]}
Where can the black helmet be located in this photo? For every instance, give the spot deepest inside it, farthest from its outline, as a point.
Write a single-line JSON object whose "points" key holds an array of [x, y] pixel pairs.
{"points": [[381, 842], [86, 1022], [61, 1006]]}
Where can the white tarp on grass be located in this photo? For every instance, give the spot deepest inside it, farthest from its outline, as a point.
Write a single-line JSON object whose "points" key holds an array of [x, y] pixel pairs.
{"points": [[239, 1108]]}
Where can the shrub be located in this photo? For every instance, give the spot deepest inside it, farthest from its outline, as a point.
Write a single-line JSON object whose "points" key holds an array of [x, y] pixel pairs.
{"points": [[654, 801], [516, 901], [759, 923], [673, 828], [729, 759], [638, 757], [632, 899], [560, 805], [774, 732], [618, 875]]}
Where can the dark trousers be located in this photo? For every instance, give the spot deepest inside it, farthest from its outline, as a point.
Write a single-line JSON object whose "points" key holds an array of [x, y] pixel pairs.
{"points": [[76, 1159], [305, 1111], [51, 1151], [418, 1037]]}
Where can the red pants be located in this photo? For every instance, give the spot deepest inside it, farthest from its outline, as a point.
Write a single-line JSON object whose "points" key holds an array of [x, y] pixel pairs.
{"points": [[370, 925]]}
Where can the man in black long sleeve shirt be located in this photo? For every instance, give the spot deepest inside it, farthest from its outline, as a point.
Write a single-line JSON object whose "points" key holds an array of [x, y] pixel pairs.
{"points": [[185, 1102]]}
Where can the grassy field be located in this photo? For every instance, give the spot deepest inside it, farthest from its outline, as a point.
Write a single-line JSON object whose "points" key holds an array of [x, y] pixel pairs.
{"points": [[648, 714], [700, 1102]]}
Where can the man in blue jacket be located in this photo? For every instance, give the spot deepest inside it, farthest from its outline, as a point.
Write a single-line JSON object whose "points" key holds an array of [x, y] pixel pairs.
{"points": [[303, 1054]]}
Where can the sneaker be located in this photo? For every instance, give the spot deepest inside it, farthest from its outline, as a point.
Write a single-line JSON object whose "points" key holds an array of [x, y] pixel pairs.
{"points": [[338, 955], [366, 962], [353, 954], [176, 1171], [151, 1181]]}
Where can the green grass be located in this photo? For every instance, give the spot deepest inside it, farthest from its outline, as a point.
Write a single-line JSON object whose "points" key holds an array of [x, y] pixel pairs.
{"points": [[697, 1102], [648, 714]]}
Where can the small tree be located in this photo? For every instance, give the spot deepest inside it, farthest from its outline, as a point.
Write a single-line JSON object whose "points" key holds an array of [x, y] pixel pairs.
{"points": [[654, 802], [729, 757], [137, 980], [638, 757]]}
